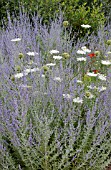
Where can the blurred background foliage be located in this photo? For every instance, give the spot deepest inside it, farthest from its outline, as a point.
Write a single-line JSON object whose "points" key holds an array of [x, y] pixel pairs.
{"points": [[76, 12]]}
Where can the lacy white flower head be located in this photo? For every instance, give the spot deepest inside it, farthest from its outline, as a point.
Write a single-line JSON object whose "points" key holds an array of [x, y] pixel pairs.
{"points": [[102, 77], [57, 79], [25, 86], [16, 39], [103, 88], [105, 62], [92, 74], [32, 53], [51, 64], [20, 75], [85, 49], [81, 52], [54, 51], [92, 87], [109, 52], [67, 96], [43, 75], [58, 57], [78, 100], [79, 81], [85, 26], [31, 70], [81, 59]]}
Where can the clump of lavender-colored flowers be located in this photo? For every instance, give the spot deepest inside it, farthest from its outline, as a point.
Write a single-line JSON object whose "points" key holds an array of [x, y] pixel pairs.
{"points": [[55, 97]]}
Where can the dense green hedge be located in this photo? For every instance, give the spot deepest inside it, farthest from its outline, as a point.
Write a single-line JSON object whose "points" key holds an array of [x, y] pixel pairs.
{"points": [[76, 12]]}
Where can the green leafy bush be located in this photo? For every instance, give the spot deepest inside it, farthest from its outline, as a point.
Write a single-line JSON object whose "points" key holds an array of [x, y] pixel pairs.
{"points": [[75, 12]]}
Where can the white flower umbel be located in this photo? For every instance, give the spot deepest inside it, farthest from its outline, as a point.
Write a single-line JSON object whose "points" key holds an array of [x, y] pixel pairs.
{"points": [[87, 50], [102, 77], [92, 87], [103, 88], [31, 70], [20, 75], [109, 52], [35, 69], [81, 52], [57, 79], [32, 53], [16, 39], [43, 75], [84, 48], [58, 57], [51, 64], [92, 74], [67, 96], [105, 62], [25, 86], [85, 26], [79, 81], [91, 96], [54, 51], [81, 59], [78, 100]]}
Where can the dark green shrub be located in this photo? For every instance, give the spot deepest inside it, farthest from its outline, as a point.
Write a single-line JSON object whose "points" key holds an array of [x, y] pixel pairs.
{"points": [[76, 12]]}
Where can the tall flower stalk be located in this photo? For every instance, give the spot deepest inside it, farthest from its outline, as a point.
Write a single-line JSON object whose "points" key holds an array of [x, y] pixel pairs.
{"points": [[54, 104]]}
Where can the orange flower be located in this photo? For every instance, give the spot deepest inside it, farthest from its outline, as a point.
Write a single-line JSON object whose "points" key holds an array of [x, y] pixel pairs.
{"points": [[91, 55], [95, 71]]}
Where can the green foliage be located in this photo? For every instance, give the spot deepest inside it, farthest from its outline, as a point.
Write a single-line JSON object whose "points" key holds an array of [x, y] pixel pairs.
{"points": [[84, 14], [75, 12]]}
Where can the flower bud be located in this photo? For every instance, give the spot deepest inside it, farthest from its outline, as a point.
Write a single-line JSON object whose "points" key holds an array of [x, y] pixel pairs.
{"points": [[86, 78], [12, 78], [18, 68], [21, 55], [65, 23], [97, 53], [87, 94], [45, 68], [66, 55], [108, 42]]}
